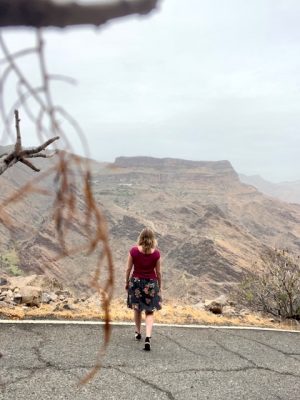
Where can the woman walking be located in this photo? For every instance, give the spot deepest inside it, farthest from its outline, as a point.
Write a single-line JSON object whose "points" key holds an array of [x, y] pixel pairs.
{"points": [[144, 285]]}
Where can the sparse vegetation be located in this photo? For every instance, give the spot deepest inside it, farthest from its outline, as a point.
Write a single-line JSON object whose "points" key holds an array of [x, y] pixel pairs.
{"points": [[172, 313], [274, 286], [9, 262], [15, 270]]}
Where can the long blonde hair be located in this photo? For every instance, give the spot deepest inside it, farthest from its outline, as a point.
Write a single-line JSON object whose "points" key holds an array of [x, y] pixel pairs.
{"points": [[147, 240]]}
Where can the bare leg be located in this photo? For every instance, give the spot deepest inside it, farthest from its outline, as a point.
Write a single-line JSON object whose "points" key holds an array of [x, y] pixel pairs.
{"points": [[138, 320], [149, 323]]}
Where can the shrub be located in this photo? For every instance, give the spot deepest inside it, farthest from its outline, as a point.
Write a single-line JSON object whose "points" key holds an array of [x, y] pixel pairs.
{"points": [[274, 285], [9, 262], [14, 270]]}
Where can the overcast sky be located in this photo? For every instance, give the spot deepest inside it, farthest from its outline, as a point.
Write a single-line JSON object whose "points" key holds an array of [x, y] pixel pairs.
{"points": [[200, 80]]}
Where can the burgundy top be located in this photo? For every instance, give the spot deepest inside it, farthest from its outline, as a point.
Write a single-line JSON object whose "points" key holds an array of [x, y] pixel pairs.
{"points": [[144, 264]]}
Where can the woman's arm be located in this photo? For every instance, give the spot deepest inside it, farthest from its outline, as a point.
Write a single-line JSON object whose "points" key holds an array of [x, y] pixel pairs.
{"points": [[128, 270], [158, 273]]}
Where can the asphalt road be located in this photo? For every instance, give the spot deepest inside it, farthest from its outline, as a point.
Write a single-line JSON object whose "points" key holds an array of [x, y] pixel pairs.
{"points": [[46, 361]]}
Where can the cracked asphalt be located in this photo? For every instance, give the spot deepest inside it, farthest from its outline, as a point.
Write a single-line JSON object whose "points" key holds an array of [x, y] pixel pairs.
{"points": [[46, 361]]}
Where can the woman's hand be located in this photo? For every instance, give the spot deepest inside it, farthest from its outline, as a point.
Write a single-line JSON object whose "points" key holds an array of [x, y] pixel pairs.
{"points": [[128, 271]]}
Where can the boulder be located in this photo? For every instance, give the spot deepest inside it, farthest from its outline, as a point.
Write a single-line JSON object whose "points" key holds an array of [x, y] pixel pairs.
{"points": [[31, 295], [53, 296], [216, 305], [228, 310], [222, 300], [18, 298], [4, 289], [46, 298], [215, 308], [32, 290], [22, 281], [3, 281], [5, 304], [69, 307]]}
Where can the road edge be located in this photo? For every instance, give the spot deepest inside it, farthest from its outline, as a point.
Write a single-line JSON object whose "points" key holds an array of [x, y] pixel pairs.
{"points": [[120, 323]]}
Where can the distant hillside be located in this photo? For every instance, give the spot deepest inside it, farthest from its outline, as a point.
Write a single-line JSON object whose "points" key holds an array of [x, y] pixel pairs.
{"points": [[210, 226], [285, 191]]}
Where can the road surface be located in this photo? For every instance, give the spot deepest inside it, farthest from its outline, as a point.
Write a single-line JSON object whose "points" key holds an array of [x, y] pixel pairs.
{"points": [[46, 361]]}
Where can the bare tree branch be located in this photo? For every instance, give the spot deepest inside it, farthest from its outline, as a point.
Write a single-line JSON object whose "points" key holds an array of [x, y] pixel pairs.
{"points": [[29, 164], [21, 155], [42, 13], [20, 53], [43, 155], [38, 149], [18, 145]]}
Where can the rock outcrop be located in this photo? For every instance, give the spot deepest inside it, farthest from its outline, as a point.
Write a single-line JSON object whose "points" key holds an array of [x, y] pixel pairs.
{"points": [[34, 290]]}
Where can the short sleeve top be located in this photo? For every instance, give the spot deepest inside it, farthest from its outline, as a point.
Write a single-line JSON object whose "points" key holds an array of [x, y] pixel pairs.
{"points": [[144, 264]]}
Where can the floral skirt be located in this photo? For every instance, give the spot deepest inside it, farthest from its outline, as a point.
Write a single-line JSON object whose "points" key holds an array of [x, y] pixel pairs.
{"points": [[144, 294]]}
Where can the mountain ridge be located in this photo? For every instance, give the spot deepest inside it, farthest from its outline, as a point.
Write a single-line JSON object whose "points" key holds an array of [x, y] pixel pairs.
{"points": [[288, 191], [210, 226]]}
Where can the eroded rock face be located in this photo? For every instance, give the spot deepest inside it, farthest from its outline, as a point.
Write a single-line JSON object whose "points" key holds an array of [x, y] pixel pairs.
{"points": [[167, 171], [223, 166]]}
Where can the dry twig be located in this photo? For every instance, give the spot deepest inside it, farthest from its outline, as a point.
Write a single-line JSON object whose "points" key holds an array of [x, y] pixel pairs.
{"points": [[72, 174], [20, 154]]}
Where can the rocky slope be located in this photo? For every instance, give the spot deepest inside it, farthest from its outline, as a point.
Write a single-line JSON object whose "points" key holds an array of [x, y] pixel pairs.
{"points": [[210, 226]]}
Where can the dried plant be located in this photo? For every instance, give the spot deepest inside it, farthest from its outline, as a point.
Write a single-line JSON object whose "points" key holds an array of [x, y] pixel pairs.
{"points": [[45, 115], [20, 154], [70, 172], [275, 286]]}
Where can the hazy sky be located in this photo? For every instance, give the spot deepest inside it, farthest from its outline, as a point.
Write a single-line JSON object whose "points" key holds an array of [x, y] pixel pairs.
{"points": [[200, 80]]}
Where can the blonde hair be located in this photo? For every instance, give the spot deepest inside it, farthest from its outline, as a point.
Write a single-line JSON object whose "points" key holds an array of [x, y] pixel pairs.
{"points": [[147, 240]]}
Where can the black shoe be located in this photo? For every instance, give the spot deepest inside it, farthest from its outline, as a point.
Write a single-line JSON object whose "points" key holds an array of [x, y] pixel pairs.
{"points": [[147, 344], [137, 336]]}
